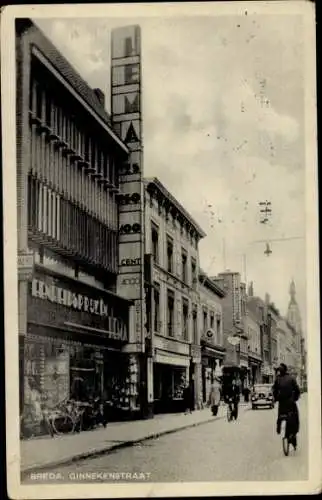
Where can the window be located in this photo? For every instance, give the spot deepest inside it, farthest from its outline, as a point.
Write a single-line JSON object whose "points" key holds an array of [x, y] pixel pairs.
{"points": [[170, 312], [169, 254], [155, 243], [218, 322], [184, 266], [156, 298], [195, 327], [185, 313], [212, 321], [205, 321], [193, 273]]}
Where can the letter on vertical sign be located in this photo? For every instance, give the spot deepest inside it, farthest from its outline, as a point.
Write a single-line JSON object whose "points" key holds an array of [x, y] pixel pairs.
{"points": [[131, 74], [131, 103], [131, 135]]}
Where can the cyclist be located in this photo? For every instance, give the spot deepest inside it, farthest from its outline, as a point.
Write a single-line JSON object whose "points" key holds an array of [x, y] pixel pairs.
{"points": [[232, 397], [286, 391]]}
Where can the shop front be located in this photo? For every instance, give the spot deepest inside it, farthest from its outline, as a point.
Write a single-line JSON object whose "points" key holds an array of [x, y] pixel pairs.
{"points": [[171, 374], [73, 346], [244, 373], [254, 366], [211, 360], [267, 373]]}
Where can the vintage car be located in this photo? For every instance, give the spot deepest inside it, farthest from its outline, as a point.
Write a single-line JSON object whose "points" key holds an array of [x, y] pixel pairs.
{"points": [[262, 395]]}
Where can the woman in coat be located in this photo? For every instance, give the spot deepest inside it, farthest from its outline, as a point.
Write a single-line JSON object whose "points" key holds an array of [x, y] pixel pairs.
{"points": [[214, 396]]}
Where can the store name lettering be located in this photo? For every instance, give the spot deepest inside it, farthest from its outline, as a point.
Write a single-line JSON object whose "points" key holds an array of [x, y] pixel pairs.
{"points": [[131, 262], [67, 298]]}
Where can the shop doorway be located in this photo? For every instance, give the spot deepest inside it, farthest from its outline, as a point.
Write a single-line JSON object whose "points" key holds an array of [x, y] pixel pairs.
{"points": [[169, 382]]}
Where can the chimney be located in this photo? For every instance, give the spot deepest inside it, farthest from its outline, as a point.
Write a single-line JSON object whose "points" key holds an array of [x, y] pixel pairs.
{"points": [[100, 96]]}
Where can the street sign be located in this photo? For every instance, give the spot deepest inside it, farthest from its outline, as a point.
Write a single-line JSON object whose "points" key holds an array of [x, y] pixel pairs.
{"points": [[25, 265]]}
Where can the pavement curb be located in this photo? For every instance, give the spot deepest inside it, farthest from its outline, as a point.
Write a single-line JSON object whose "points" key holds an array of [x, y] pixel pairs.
{"points": [[114, 447]]}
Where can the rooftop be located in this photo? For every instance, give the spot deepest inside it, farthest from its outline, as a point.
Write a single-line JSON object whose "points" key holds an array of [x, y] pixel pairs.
{"points": [[210, 283], [50, 54], [154, 184]]}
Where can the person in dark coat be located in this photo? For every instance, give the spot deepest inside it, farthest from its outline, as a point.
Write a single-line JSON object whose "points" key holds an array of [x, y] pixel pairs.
{"points": [[187, 399], [233, 393], [287, 392]]}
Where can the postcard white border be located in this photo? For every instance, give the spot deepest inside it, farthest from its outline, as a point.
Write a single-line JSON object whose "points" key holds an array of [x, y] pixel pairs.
{"points": [[81, 490]]}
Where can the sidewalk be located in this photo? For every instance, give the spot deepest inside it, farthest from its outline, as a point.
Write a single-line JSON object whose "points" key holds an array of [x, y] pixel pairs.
{"points": [[48, 453]]}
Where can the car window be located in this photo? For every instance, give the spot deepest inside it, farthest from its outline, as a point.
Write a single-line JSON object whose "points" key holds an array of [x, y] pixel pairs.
{"points": [[262, 388]]}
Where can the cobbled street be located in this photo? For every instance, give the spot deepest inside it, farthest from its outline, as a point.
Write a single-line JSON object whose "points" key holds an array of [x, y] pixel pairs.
{"points": [[246, 450]]}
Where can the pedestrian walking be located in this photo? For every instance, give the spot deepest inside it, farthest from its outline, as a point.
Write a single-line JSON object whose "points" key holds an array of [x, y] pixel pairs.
{"points": [[246, 394], [232, 397], [187, 399], [214, 396]]}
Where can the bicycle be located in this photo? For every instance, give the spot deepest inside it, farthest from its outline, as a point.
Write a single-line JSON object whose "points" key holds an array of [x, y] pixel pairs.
{"points": [[63, 418], [287, 438]]}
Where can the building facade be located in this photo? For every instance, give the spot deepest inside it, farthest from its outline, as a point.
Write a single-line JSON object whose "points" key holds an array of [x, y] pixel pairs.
{"points": [[282, 340], [253, 330], [172, 238], [259, 308], [273, 318], [73, 325], [210, 316], [294, 319], [234, 320]]}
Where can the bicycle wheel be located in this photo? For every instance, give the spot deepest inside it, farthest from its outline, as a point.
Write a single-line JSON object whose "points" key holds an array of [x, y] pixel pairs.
{"points": [[63, 424], [285, 440]]}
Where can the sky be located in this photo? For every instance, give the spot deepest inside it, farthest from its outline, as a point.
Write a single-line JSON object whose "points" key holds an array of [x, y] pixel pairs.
{"points": [[223, 125]]}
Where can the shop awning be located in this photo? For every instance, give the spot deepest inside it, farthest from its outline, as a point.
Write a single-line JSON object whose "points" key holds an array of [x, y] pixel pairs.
{"points": [[212, 352]]}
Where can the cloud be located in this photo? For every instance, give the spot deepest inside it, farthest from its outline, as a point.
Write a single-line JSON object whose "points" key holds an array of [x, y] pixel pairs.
{"points": [[209, 138], [79, 45]]}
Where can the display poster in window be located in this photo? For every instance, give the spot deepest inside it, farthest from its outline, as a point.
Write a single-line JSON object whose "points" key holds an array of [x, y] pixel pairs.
{"points": [[56, 379]]}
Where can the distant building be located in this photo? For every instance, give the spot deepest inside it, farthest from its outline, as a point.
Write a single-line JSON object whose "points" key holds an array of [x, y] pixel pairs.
{"points": [[273, 317], [295, 320], [259, 309], [253, 330], [211, 331], [282, 340], [172, 238], [234, 320]]}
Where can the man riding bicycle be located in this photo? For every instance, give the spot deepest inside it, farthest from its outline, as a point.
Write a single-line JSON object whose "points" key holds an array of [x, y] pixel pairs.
{"points": [[232, 397], [286, 391]]}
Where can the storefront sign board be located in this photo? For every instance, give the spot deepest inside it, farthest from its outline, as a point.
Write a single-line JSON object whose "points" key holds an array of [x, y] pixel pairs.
{"points": [[53, 302], [171, 345], [25, 265]]}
